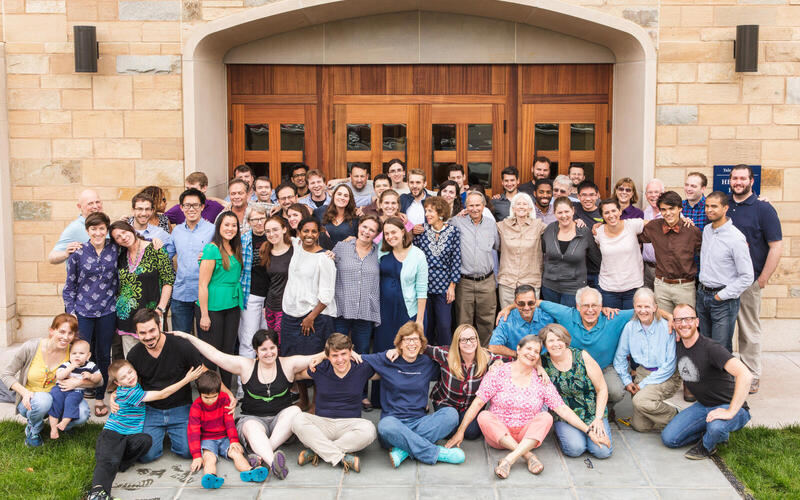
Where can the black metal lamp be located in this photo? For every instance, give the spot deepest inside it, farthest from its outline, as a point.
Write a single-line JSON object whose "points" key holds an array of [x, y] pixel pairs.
{"points": [[87, 49], [745, 49]]}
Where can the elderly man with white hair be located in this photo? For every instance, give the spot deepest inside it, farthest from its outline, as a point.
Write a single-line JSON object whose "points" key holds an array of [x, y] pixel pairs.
{"points": [[652, 191], [74, 235]]}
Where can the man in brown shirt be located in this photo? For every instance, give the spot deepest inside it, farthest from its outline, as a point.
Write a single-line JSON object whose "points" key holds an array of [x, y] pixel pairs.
{"points": [[675, 246]]}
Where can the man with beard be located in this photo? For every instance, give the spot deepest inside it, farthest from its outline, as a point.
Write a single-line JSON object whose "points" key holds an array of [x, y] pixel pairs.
{"points": [[539, 170], [542, 194], [502, 202], [142, 205], [299, 174], [411, 202]]}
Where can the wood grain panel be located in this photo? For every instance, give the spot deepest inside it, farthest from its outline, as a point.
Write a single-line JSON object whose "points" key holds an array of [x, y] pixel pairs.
{"points": [[565, 79], [373, 79], [477, 79], [399, 79], [248, 79], [346, 80], [294, 80], [430, 79]]}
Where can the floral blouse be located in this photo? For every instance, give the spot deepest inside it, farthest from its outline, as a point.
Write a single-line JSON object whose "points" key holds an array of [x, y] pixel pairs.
{"points": [[516, 406], [140, 284], [91, 282], [574, 386], [443, 255]]}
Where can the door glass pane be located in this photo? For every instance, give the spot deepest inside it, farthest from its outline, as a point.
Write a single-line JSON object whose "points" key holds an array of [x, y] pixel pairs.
{"points": [[358, 137], [480, 173], [259, 168], [293, 137], [588, 168], [479, 136], [440, 171], [363, 164], [546, 137], [581, 136], [444, 137], [394, 137], [286, 170], [256, 137]]}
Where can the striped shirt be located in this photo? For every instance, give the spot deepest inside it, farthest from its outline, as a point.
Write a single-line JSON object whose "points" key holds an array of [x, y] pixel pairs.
{"points": [[78, 371], [130, 417], [210, 422]]}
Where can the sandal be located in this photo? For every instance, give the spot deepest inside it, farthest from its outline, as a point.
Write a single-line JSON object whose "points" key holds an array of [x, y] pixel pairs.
{"points": [[503, 469], [100, 409], [535, 467]]}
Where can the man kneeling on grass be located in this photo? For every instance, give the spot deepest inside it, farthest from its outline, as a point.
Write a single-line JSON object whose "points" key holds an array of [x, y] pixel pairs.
{"points": [[212, 433], [337, 430]]}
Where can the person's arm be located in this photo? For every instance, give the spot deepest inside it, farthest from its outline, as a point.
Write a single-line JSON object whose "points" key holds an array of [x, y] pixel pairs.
{"points": [[237, 365], [455, 265], [193, 434], [773, 257], [64, 371], [206, 270], [295, 366], [743, 378], [569, 416], [501, 350], [744, 272], [192, 374], [595, 374], [70, 292], [621, 360], [166, 277], [666, 365], [470, 415]]}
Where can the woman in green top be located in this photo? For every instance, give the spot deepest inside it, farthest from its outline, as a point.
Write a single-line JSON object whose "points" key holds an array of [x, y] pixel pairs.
{"points": [[220, 293], [580, 382]]}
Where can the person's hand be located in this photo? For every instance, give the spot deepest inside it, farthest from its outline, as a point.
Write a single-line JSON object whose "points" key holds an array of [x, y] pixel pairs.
{"points": [[609, 312], [579, 223], [349, 238], [502, 315], [69, 383], [497, 364], [354, 356], [762, 282], [275, 209], [595, 226], [197, 463], [403, 217], [719, 414], [26, 399], [462, 213], [632, 388], [86, 375], [543, 374], [236, 447], [329, 253], [205, 322], [450, 295], [71, 247], [113, 407], [307, 325], [314, 362], [687, 222], [232, 405], [763, 198], [360, 211], [392, 354], [456, 440], [716, 297], [598, 427], [600, 440], [496, 196], [157, 243], [193, 373], [418, 229]]}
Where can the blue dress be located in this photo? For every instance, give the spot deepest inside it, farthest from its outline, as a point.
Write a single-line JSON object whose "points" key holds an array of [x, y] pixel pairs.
{"points": [[393, 307]]}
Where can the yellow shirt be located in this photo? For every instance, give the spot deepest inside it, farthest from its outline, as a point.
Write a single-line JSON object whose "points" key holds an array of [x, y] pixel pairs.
{"points": [[40, 377]]}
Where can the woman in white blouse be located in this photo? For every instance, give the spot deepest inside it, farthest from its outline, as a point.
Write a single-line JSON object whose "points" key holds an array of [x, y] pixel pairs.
{"points": [[621, 271]]}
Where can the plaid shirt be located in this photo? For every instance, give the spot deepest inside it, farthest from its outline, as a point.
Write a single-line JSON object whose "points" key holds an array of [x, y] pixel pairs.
{"points": [[450, 391], [696, 213], [247, 266]]}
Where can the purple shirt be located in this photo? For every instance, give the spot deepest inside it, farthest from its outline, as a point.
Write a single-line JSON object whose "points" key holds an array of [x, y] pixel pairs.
{"points": [[632, 213], [210, 212], [91, 286]]}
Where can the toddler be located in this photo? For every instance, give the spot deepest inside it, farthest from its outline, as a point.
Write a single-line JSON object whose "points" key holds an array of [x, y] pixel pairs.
{"points": [[66, 403]]}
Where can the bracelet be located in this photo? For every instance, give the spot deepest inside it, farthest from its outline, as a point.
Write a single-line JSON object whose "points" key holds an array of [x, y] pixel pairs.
{"points": [[161, 310]]}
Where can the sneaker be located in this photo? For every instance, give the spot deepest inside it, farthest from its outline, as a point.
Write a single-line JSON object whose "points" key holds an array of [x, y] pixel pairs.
{"points": [[279, 468], [33, 440], [451, 455], [212, 482], [687, 396], [97, 493], [254, 460], [307, 456], [351, 462], [699, 452], [256, 475], [397, 455], [754, 386]]}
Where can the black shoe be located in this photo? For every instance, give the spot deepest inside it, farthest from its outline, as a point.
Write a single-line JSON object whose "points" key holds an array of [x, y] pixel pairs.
{"points": [[699, 452]]}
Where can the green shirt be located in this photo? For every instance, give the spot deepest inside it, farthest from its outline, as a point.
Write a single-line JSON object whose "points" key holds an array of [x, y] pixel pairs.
{"points": [[575, 386], [224, 289]]}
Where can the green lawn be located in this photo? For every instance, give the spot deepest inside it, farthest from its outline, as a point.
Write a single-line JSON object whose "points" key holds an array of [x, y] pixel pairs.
{"points": [[767, 461], [56, 470]]}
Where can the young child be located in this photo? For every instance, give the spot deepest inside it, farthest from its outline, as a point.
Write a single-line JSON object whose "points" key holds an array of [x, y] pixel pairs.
{"points": [[66, 403], [212, 432], [122, 442]]}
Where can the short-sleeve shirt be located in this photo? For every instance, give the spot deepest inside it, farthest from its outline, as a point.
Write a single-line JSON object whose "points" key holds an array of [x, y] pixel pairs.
{"points": [[759, 222], [340, 397], [224, 289], [404, 385], [702, 368], [622, 268], [90, 367], [129, 419], [516, 406]]}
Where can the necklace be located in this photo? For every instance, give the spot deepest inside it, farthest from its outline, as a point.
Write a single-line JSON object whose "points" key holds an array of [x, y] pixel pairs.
{"points": [[438, 240], [133, 264]]}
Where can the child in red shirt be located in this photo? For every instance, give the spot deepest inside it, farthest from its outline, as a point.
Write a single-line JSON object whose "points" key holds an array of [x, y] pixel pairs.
{"points": [[212, 432]]}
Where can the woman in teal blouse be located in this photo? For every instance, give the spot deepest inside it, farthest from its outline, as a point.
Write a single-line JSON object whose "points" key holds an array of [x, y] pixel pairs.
{"points": [[220, 293]]}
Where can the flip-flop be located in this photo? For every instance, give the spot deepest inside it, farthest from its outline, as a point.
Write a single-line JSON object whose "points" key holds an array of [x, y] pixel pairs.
{"points": [[211, 482], [257, 475], [279, 468], [100, 409]]}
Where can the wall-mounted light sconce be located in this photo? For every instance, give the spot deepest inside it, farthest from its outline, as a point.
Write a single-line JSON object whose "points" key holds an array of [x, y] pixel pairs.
{"points": [[745, 49], [87, 49]]}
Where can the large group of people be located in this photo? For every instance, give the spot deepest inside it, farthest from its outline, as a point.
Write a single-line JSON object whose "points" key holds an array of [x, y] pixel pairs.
{"points": [[341, 285]]}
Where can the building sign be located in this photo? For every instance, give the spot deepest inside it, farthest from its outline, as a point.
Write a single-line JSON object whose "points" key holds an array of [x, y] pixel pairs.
{"points": [[722, 178]]}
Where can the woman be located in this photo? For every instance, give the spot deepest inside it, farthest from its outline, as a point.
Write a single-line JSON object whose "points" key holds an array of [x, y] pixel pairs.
{"points": [[357, 291], [515, 420], [405, 427], [220, 296], [254, 280], [265, 422], [340, 220], [90, 294], [159, 198], [145, 277], [297, 212], [397, 173], [451, 193], [579, 380], [389, 206], [520, 249], [275, 255], [625, 193], [566, 248], [30, 371], [441, 244], [622, 268]]}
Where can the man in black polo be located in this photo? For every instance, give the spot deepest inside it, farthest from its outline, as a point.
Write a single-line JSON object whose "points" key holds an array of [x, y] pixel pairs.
{"points": [[587, 211]]}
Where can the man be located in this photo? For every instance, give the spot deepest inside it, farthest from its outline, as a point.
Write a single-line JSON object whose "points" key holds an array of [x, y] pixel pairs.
{"points": [[75, 235], [587, 211], [245, 173], [455, 173], [336, 429], [577, 175], [161, 360], [381, 183], [411, 202], [694, 206], [287, 196], [726, 271], [318, 195], [189, 238], [397, 173], [361, 186], [476, 300], [759, 223], [652, 191], [720, 383], [542, 194], [540, 170], [264, 193], [525, 319], [502, 202], [562, 186], [299, 178], [199, 181], [674, 248], [142, 205], [237, 194]]}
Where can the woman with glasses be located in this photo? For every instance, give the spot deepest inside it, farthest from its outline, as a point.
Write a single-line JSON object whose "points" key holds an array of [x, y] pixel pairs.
{"points": [[254, 280], [397, 173], [627, 197], [622, 268]]}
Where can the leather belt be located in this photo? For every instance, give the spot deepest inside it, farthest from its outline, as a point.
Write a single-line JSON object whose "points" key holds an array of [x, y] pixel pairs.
{"points": [[675, 281], [709, 289], [476, 278]]}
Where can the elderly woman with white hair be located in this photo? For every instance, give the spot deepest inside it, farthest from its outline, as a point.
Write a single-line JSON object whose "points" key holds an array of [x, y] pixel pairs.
{"points": [[562, 186], [520, 249], [650, 342]]}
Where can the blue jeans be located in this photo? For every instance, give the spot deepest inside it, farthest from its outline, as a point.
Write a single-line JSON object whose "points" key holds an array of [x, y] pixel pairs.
{"points": [[618, 300], [717, 317], [592, 280], [40, 407], [418, 436], [360, 333], [172, 421], [565, 299], [473, 430], [99, 333], [690, 425], [182, 315], [438, 319], [574, 442]]}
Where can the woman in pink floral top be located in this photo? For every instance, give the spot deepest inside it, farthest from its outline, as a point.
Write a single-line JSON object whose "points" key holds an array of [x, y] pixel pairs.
{"points": [[515, 420]]}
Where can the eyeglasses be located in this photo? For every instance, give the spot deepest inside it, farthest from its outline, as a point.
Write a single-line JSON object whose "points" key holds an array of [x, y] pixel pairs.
{"points": [[530, 303], [412, 340], [191, 206], [257, 220], [687, 319], [285, 198], [625, 189], [590, 306], [296, 176], [468, 340]]}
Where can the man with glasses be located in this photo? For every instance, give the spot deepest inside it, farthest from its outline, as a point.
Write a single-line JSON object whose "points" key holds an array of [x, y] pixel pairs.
{"points": [[189, 238], [199, 181], [397, 173], [587, 211], [562, 186], [142, 205], [287, 196], [720, 383], [299, 179], [525, 319]]}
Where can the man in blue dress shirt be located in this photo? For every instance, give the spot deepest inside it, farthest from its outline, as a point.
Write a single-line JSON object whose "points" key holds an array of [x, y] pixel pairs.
{"points": [[526, 319]]}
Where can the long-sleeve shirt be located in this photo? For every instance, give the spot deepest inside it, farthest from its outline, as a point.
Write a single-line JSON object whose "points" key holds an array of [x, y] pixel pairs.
{"points": [[696, 213], [449, 390], [443, 255], [210, 422], [725, 260], [520, 252], [650, 346], [91, 286], [312, 279], [189, 244], [477, 243], [648, 253]]}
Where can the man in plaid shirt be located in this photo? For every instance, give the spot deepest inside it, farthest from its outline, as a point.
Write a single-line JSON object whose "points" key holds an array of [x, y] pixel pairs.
{"points": [[694, 206]]}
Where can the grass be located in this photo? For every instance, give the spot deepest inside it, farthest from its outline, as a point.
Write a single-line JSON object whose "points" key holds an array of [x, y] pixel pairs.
{"points": [[56, 470], [766, 461]]}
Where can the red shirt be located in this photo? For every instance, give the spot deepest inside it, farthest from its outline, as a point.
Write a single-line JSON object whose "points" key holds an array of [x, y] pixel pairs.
{"points": [[210, 422]]}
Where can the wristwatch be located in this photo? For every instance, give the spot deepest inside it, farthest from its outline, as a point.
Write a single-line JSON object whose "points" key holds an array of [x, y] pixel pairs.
{"points": [[162, 311]]}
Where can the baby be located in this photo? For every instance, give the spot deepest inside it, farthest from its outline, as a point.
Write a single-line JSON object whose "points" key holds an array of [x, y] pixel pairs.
{"points": [[66, 404]]}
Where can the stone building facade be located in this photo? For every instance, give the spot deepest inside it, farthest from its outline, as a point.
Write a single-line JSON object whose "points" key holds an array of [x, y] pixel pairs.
{"points": [[151, 114]]}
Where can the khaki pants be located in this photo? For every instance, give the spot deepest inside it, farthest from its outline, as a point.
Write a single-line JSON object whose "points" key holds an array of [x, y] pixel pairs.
{"points": [[750, 329], [616, 391], [506, 294], [332, 438], [668, 296], [649, 410], [476, 304]]}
